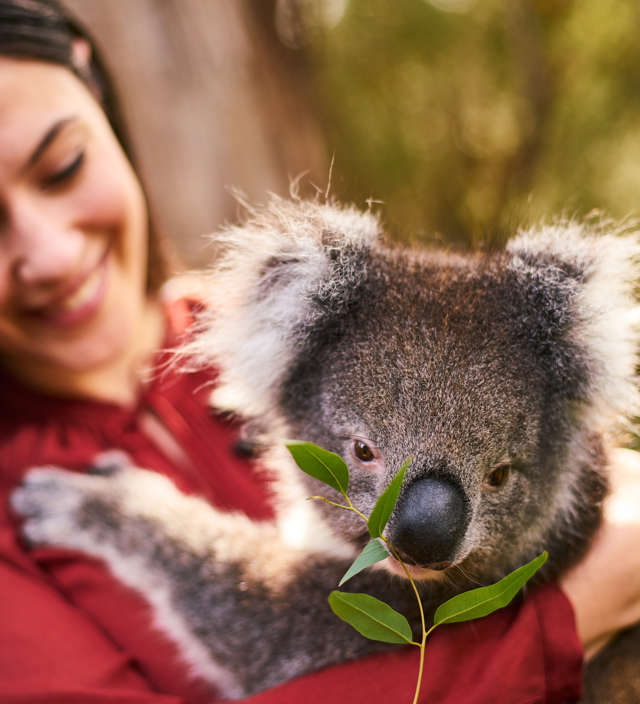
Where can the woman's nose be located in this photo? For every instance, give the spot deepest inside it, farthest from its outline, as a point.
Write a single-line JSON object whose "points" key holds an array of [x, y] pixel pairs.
{"points": [[44, 250]]}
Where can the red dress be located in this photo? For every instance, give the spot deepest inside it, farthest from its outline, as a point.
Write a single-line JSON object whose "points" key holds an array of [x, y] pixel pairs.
{"points": [[70, 633]]}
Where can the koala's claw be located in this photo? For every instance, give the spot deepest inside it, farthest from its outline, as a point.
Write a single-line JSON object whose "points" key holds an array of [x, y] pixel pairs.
{"points": [[110, 462], [38, 492]]}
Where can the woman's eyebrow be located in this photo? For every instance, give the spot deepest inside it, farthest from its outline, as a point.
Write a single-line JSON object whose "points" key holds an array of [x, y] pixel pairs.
{"points": [[51, 134]]}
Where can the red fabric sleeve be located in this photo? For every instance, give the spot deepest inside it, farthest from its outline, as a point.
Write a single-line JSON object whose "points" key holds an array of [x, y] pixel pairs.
{"points": [[561, 646], [51, 653]]}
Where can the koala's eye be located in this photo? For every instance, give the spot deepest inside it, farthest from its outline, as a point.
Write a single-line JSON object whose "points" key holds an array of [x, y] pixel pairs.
{"points": [[498, 476], [362, 451]]}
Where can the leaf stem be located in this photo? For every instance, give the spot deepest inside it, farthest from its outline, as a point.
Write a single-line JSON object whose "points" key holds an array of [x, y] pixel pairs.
{"points": [[420, 668], [328, 501], [410, 578], [350, 507], [425, 633], [355, 510]]}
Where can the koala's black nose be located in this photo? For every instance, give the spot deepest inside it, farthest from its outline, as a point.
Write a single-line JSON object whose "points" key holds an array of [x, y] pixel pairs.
{"points": [[431, 518]]}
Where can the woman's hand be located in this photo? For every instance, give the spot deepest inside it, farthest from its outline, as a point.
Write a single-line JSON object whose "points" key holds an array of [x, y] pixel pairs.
{"points": [[604, 587]]}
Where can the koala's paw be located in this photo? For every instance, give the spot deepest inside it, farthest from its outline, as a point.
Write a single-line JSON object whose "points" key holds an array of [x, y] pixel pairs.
{"points": [[66, 509]]}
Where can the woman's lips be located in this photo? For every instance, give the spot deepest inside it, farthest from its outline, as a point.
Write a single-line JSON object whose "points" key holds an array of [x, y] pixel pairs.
{"points": [[81, 303]]}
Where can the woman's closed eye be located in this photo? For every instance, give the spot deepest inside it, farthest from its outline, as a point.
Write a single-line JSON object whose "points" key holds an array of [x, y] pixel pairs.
{"points": [[64, 174]]}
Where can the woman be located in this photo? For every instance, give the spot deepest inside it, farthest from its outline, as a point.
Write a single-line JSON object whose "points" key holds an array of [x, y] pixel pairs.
{"points": [[81, 323]]}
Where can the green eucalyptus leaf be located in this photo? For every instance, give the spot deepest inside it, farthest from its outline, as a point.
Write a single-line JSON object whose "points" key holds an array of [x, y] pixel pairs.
{"points": [[371, 617], [321, 464], [386, 503], [477, 603], [373, 552]]}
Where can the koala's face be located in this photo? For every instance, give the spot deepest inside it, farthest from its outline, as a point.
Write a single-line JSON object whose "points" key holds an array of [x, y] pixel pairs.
{"points": [[496, 374], [434, 363]]}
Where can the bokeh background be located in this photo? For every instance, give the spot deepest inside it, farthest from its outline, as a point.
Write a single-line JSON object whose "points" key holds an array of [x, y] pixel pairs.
{"points": [[464, 119]]}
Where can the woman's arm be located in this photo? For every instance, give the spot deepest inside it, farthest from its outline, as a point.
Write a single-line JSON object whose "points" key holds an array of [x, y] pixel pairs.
{"points": [[604, 587]]}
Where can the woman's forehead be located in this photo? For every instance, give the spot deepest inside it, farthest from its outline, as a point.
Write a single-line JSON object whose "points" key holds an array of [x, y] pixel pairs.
{"points": [[34, 97], [33, 89]]}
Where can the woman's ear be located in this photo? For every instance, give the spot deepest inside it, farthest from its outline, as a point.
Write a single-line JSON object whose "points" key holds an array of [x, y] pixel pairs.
{"points": [[81, 56]]}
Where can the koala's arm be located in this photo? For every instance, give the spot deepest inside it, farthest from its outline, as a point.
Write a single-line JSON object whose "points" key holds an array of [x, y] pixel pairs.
{"points": [[246, 610], [257, 636]]}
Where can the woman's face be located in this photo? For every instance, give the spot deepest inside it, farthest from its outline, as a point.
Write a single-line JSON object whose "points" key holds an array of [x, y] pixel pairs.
{"points": [[73, 226]]}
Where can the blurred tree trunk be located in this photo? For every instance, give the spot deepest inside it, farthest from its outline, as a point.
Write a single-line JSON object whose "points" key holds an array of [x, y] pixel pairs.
{"points": [[212, 100]]}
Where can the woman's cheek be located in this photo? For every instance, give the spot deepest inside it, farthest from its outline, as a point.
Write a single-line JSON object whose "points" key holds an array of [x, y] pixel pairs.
{"points": [[109, 198]]}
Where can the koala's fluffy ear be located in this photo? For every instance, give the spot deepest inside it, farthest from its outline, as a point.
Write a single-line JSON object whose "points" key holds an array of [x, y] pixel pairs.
{"points": [[596, 269], [278, 275]]}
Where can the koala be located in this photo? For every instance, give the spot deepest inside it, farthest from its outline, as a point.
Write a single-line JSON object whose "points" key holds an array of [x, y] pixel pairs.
{"points": [[504, 375]]}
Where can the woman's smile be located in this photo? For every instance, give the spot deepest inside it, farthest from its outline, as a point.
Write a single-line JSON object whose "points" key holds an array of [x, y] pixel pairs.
{"points": [[79, 300]]}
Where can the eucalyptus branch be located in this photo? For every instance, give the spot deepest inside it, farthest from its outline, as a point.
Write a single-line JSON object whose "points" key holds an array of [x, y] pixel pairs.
{"points": [[369, 616]]}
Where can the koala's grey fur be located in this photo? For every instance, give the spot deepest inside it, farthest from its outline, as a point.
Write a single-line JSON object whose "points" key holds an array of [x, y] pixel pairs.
{"points": [[523, 358]]}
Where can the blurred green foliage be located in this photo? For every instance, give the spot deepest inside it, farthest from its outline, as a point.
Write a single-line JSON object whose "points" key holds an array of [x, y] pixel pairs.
{"points": [[468, 124]]}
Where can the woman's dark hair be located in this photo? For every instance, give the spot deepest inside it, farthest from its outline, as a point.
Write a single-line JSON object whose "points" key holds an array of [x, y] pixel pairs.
{"points": [[43, 30]]}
